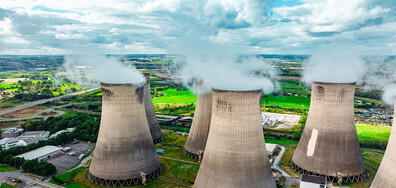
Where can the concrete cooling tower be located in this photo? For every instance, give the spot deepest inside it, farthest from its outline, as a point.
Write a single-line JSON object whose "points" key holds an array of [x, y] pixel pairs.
{"points": [[329, 145], [155, 129], [199, 131], [124, 148], [235, 153], [386, 174]]}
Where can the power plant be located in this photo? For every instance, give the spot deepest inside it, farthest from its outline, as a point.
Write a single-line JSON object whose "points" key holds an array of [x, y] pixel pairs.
{"points": [[124, 153], [386, 174], [235, 153], [155, 129], [198, 135], [329, 144]]}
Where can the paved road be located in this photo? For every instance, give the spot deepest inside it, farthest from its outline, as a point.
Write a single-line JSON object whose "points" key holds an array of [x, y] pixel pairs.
{"points": [[42, 101], [28, 180], [275, 165]]}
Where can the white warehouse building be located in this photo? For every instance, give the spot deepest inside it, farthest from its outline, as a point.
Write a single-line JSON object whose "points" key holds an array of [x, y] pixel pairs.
{"points": [[42, 153]]}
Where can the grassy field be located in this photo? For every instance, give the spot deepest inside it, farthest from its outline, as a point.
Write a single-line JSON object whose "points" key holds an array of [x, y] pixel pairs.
{"points": [[175, 109], [287, 101], [173, 96], [282, 141], [369, 132], [9, 104], [4, 185], [6, 168]]}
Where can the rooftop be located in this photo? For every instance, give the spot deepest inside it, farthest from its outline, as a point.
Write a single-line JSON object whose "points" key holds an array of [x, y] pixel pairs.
{"points": [[314, 179], [38, 152]]}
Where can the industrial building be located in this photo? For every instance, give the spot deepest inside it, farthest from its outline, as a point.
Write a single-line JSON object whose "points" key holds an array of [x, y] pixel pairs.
{"points": [[34, 136], [124, 149], [7, 143], [308, 181], [198, 135], [42, 153], [329, 144], [386, 174], [60, 132], [235, 153], [152, 121], [12, 133]]}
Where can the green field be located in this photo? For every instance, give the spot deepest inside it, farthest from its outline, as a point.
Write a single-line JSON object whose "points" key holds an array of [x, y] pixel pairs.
{"points": [[287, 101], [173, 96], [4, 185], [6, 168], [369, 132], [280, 141]]}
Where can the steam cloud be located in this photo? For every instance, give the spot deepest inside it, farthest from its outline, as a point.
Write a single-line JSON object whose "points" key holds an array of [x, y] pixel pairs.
{"points": [[382, 75], [90, 70], [207, 64], [335, 63]]}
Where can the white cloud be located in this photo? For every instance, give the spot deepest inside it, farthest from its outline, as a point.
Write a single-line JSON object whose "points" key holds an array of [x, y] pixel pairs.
{"points": [[144, 25]]}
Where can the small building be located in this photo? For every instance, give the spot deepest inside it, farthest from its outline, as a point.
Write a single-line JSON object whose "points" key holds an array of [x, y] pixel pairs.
{"points": [[42, 153], [309, 181], [12, 133], [270, 148]]}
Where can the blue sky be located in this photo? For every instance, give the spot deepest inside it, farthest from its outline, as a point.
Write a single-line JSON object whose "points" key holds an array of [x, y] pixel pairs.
{"points": [[161, 26]]}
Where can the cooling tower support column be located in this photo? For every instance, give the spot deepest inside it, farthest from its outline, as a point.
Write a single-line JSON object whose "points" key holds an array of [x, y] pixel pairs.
{"points": [[235, 153], [329, 145], [199, 131], [155, 129], [124, 148], [386, 174]]}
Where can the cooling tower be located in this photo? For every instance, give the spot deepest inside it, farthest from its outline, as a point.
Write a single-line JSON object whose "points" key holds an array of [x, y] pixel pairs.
{"points": [[199, 131], [124, 147], [155, 129], [235, 153], [386, 174], [329, 145]]}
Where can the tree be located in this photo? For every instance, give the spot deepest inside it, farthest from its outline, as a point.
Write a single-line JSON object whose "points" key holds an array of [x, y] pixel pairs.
{"points": [[29, 165]]}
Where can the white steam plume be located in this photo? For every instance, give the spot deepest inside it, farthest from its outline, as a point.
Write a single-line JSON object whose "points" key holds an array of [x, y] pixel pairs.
{"points": [[382, 75], [220, 66], [90, 70], [335, 63]]}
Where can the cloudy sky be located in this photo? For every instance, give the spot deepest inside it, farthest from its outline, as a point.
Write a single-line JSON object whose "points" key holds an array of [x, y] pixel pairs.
{"points": [[155, 26]]}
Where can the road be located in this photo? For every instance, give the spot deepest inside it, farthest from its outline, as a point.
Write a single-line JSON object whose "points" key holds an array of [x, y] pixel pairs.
{"points": [[42, 101], [27, 180], [289, 180], [38, 115]]}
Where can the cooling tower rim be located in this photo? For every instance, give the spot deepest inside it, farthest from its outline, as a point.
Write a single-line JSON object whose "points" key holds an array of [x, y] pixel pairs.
{"points": [[330, 82], [121, 84], [237, 90]]}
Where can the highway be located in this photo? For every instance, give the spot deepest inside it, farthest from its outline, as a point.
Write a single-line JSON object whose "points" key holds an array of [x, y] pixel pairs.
{"points": [[42, 101]]}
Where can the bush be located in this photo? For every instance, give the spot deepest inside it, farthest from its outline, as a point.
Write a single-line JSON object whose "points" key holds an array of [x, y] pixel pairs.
{"points": [[57, 180]]}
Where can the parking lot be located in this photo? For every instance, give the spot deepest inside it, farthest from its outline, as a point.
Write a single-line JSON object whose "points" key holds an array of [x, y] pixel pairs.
{"points": [[64, 161]]}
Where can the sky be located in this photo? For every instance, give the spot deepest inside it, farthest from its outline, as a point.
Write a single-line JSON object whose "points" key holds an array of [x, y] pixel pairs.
{"points": [[152, 27]]}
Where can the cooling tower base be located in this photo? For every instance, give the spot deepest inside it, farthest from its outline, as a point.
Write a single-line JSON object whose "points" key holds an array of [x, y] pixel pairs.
{"points": [[346, 179], [191, 155], [158, 140], [123, 183]]}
